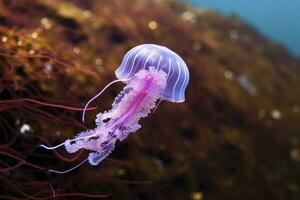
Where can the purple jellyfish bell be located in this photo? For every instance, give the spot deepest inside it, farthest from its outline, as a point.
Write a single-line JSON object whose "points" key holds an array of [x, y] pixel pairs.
{"points": [[163, 59], [151, 73]]}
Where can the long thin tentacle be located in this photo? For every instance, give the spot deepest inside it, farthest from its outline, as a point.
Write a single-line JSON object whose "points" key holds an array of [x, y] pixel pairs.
{"points": [[77, 138], [54, 147], [97, 95], [66, 171]]}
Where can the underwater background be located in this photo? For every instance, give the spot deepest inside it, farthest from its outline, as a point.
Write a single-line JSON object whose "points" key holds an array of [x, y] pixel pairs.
{"points": [[278, 20], [235, 137]]}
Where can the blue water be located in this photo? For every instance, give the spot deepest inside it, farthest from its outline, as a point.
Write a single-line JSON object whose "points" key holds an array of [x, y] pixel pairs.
{"points": [[276, 19]]}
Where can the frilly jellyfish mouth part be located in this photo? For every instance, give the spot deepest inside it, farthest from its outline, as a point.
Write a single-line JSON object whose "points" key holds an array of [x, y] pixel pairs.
{"points": [[159, 74]]}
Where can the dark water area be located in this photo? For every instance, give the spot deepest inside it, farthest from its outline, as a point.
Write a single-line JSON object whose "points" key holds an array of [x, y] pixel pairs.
{"points": [[236, 136]]}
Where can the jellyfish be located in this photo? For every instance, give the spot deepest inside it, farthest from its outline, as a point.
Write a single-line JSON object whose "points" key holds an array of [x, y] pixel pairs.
{"points": [[151, 73]]}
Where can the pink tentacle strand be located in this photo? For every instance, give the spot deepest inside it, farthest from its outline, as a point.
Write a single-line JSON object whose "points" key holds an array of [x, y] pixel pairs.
{"points": [[66, 171], [97, 95], [12, 101]]}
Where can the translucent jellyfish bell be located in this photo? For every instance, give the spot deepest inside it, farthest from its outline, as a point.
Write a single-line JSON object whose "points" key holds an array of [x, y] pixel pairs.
{"points": [[161, 58]]}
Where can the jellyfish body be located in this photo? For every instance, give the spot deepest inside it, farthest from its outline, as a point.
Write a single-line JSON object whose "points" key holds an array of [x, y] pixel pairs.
{"points": [[134, 102], [151, 73]]}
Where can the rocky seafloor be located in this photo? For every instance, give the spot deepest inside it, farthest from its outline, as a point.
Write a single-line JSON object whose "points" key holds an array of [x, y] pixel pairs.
{"points": [[235, 137]]}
